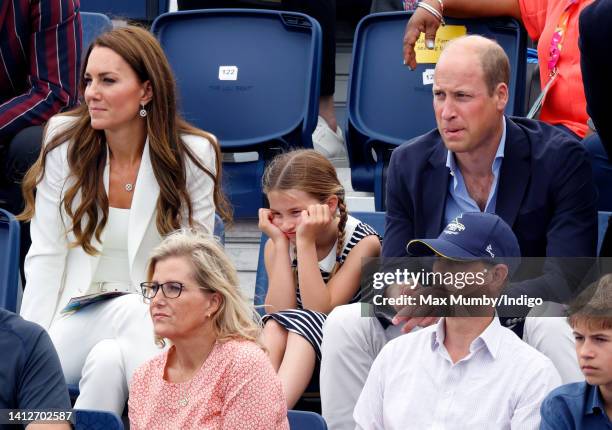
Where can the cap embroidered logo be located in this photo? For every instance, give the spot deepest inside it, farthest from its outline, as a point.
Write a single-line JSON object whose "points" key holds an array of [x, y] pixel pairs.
{"points": [[454, 227]]}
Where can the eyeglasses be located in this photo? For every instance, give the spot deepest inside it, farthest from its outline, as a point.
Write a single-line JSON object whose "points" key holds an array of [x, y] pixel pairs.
{"points": [[171, 290]]}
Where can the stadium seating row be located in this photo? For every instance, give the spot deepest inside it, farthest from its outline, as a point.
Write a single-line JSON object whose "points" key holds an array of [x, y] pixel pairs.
{"points": [[100, 420], [9, 258], [259, 92]]}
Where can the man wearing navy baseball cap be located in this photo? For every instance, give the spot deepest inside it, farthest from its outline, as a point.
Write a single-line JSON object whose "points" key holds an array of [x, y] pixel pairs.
{"points": [[432, 377], [472, 236]]}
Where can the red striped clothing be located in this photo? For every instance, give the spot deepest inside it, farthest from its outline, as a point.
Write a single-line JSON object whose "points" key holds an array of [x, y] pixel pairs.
{"points": [[40, 53]]}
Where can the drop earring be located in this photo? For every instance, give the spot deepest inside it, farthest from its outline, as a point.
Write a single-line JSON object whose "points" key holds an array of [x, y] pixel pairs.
{"points": [[143, 111]]}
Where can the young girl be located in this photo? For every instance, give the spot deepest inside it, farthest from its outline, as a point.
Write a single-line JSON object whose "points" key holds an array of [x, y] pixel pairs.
{"points": [[313, 260]]}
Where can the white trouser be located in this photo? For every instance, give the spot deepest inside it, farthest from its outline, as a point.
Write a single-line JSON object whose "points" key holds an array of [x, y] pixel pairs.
{"points": [[352, 342], [350, 345], [101, 346]]}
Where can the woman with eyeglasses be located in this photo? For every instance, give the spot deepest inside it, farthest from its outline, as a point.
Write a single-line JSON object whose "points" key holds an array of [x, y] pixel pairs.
{"points": [[114, 176], [215, 375]]}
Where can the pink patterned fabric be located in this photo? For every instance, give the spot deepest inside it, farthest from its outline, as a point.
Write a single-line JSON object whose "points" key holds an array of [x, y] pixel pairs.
{"points": [[565, 103], [236, 388]]}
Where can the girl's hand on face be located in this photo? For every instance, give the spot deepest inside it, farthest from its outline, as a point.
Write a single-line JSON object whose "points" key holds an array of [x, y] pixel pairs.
{"points": [[313, 222], [267, 227]]}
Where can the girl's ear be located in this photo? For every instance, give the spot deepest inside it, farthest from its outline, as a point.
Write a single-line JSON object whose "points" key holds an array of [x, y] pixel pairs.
{"points": [[332, 202]]}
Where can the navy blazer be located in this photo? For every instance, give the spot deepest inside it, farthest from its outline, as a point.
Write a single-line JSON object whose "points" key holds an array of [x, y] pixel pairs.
{"points": [[545, 193]]}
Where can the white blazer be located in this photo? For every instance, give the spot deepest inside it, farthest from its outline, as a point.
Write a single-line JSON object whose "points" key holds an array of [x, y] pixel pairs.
{"points": [[54, 271]]}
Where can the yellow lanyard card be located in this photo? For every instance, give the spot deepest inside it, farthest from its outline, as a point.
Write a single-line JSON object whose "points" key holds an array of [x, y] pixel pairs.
{"points": [[445, 34]]}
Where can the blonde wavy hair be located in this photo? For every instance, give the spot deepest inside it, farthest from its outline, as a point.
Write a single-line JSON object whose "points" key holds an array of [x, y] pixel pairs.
{"points": [[213, 271]]}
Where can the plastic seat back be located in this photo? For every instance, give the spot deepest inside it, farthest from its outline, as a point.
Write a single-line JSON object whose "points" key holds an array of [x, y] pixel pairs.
{"points": [[9, 261], [94, 24], [219, 229], [96, 420], [602, 227], [140, 10], [304, 420], [250, 77]]}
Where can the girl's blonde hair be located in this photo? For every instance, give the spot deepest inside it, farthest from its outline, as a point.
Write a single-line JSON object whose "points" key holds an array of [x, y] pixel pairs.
{"points": [[212, 271], [308, 171]]}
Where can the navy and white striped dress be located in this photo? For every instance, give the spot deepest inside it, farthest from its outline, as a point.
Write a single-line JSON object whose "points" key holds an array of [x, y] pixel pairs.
{"points": [[307, 323]]}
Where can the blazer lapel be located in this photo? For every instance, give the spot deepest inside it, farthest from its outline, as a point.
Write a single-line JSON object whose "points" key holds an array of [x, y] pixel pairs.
{"points": [[514, 175], [435, 187], [146, 192]]}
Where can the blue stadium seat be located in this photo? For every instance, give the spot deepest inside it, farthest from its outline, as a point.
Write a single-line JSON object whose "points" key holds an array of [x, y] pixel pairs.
{"points": [[261, 279], [250, 77], [219, 229], [303, 420], [532, 56], [73, 392], [96, 420], [94, 24], [9, 261], [388, 105], [139, 10], [602, 224]]}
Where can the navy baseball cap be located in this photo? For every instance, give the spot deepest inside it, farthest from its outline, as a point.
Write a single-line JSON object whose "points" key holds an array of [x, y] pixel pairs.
{"points": [[472, 236]]}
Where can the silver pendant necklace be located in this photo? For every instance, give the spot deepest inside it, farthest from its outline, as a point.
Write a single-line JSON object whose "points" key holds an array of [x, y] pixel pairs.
{"points": [[183, 396], [129, 187]]}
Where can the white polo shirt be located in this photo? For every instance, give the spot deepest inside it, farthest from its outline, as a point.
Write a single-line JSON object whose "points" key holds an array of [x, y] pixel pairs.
{"points": [[413, 384]]}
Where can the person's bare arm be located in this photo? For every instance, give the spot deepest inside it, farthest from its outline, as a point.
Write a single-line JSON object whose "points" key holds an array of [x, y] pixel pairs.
{"points": [[281, 284], [423, 21]]}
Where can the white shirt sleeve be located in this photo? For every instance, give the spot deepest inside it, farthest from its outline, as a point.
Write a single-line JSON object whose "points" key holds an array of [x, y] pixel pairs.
{"points": [[544, 379]]}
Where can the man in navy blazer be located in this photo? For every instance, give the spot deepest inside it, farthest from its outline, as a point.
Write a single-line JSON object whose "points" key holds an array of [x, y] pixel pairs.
{"points": [[534, 176], [545, 192]]}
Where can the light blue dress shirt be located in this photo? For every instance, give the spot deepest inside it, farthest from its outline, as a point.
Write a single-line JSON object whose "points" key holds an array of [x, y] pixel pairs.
{"points": [[458, 199]]}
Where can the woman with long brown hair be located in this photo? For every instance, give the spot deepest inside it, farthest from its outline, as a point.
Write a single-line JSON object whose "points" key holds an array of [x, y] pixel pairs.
{"points": [[114, 176]]}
